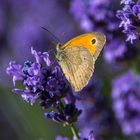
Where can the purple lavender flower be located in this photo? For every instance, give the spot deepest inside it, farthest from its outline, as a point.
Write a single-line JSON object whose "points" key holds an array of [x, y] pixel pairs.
{"points": [[16, 71], [39, 80], [126, 102], [90, 136], [67, 114], [130, 19], [47, 85], [26, 95], [118, 51], [90, 20], [126, 1], [100, 6]]}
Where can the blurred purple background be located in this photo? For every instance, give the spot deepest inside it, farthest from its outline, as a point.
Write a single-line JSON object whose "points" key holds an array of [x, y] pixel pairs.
{"points": [[111, 99]]}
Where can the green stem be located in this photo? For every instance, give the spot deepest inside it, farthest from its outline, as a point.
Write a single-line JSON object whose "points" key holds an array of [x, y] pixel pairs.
{"points": [[74, 132]]}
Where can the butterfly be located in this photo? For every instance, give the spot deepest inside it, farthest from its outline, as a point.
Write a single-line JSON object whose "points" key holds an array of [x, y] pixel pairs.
{"points": [[77, 58]]}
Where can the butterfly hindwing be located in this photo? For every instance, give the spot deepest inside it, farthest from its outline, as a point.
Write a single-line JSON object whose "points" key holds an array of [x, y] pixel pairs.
{"points": [[78, 65]]}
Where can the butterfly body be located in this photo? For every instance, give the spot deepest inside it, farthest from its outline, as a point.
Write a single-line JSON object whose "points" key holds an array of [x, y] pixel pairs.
{"points": [[77, 58]]}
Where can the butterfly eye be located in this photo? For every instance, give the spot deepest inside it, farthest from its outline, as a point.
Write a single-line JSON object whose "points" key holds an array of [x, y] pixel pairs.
{"points": [[93, 41]]}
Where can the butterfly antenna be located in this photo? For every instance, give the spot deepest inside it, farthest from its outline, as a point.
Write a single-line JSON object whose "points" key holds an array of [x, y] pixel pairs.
{"points": [[50, 50], [56, 39]]}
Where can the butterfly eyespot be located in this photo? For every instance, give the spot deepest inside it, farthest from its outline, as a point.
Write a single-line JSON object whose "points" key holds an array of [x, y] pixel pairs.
{"points": [[93, 41]]}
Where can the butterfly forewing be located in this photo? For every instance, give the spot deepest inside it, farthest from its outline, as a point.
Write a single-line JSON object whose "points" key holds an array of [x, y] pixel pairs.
{"points": [[101, 39], [78, 65]]}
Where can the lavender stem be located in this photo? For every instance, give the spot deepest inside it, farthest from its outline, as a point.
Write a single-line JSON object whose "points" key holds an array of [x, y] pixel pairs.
{"points": [[75, 132]]}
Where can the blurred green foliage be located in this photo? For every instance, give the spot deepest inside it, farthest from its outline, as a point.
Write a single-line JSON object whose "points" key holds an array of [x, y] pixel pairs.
{"points": [[20, 121]]}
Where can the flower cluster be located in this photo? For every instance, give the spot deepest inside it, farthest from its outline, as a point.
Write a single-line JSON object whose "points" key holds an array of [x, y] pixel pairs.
{"points": [[38, 79], [66, 114], [118, 51], [130, 19], [85, 12], [126, 102], [41, 81]]}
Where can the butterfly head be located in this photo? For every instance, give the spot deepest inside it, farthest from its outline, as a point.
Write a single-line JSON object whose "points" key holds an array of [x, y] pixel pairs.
{"points": [[59, 51]]}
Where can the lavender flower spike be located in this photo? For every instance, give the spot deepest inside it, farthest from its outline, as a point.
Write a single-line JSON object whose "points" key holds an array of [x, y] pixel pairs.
{"points": [[126, 102], [39, 80], [130, 19]]}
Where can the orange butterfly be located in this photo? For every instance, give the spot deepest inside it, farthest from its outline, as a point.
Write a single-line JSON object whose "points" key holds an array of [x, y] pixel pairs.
{"points": [[77, 58]]}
